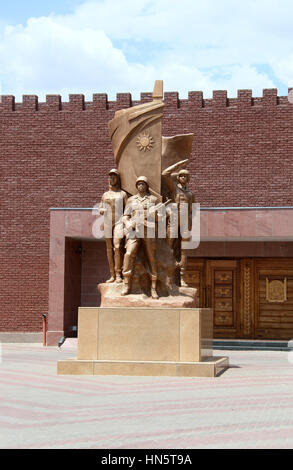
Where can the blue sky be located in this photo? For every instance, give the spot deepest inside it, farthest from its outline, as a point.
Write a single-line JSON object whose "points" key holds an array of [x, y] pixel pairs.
{"points": [[19, 11], [112, 46]]}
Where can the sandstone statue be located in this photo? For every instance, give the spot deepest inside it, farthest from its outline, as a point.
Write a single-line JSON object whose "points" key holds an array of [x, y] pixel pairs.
{"points": [[180, 194], [112, 205], [136, 217], [150, 261]]}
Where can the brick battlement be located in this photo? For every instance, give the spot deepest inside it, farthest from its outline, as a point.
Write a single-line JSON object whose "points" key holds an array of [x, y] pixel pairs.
{"points": [[30, 103]]}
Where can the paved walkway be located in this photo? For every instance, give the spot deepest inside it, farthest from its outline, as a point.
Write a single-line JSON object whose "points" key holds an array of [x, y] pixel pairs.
{"points": [[249, 406]]}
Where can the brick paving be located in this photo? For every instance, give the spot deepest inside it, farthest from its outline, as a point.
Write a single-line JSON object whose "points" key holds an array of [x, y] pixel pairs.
{"points": [[249, 406]]}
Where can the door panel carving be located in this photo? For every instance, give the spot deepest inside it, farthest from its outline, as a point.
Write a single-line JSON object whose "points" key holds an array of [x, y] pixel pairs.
{"points": [[274, 299], [247, 298], [222, 282]]}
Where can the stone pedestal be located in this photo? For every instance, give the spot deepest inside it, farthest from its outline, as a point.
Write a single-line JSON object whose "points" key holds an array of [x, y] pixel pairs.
{"points": [[144, 341]]}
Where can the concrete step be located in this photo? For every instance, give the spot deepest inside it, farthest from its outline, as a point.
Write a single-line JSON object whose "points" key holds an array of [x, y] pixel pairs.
{"points": [[252, 345]]}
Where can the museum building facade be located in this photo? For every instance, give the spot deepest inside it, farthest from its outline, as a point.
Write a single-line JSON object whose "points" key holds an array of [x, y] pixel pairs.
{"points": [[55, 158]]}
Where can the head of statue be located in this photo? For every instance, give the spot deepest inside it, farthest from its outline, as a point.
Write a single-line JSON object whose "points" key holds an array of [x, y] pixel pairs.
{"points": [[142, 184], [183, 177], [114, 178]]}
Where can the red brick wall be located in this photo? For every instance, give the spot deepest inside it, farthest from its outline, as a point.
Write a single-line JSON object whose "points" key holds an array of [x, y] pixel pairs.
{"points": [[57, 154]]}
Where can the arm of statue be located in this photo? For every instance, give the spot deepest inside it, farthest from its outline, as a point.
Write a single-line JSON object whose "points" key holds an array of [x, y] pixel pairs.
{"points": [[174, 168], [121, 218], [128, 223], [171, 172], [102, 208], [157, 210]]}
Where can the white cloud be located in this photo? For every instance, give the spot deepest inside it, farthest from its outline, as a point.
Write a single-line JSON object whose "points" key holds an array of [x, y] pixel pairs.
{"points": [[254, 29], [115, 46], [284, 69], [46, 55]]}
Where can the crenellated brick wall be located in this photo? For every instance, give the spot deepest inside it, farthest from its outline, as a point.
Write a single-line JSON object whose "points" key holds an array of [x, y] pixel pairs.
{"points": [[57, 154]]}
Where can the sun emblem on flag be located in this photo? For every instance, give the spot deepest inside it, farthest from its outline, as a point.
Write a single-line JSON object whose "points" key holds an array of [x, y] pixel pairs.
{"points": [[145, 141]]}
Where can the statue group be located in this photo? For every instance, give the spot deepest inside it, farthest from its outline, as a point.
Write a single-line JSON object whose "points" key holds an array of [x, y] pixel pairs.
{"points": [[143, 207], [149, 322]]}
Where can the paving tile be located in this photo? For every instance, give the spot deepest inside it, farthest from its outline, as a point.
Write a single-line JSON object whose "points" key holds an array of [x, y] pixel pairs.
{"points": [[248, 406]]}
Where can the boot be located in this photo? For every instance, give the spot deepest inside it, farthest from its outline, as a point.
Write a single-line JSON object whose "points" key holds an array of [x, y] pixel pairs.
{"points": [[126, 287], [154, 293], [182, 280], [183, 263], [111, 265], [170, 284], [118, 277], [112, 278], [118, 267]]}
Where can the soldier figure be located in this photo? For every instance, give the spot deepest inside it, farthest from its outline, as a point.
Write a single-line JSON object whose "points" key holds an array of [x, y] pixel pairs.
{"points": [[142, 202], [180, 194], [112, 206]]}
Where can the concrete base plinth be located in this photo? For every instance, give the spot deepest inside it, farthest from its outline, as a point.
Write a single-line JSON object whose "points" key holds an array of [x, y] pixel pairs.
{"points": [[208, 368], [144, 341]]}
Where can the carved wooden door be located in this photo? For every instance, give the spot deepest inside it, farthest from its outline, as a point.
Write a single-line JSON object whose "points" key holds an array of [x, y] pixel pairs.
{"points": [[222, 294], [274, 299]]}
